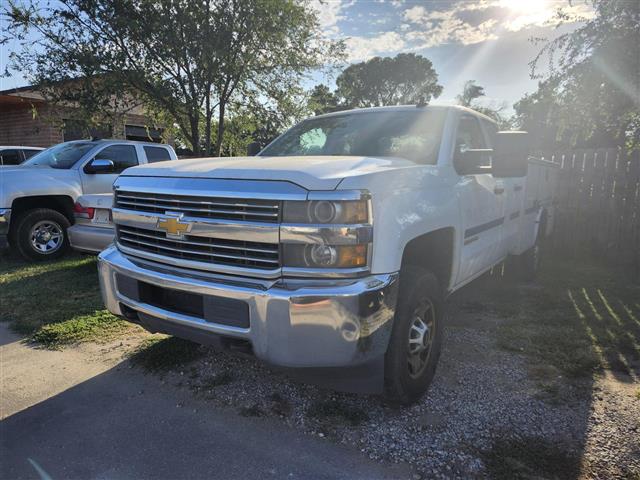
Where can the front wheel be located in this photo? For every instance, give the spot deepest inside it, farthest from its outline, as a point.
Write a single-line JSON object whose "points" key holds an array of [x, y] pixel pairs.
{"points": [[41, 234], [416, 338]]}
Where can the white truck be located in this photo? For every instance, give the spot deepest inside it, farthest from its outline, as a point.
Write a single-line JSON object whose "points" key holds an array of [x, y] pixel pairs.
{"points": [[332, 251], [37, 197]]}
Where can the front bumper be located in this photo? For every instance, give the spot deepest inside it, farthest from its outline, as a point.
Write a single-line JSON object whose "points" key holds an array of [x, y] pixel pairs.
{"points": [[88, 238], [5, 216], [320, 324]]}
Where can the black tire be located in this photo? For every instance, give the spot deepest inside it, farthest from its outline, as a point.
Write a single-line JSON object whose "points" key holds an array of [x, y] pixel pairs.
{"points": [[404, 384], [23, 238]]}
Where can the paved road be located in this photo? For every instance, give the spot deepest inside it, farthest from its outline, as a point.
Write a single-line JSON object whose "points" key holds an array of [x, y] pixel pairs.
{"points": [[123, 424]]}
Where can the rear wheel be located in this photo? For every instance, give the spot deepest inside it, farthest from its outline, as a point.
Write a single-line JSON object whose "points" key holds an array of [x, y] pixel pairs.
{"points": [[414, 348], [41, 234]]}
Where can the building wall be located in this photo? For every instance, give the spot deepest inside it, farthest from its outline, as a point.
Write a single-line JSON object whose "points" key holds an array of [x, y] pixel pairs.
{"points": [[18, 126]]}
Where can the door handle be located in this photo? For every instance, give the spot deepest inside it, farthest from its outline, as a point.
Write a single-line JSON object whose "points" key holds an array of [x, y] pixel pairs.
{"points": [[498, 190]]}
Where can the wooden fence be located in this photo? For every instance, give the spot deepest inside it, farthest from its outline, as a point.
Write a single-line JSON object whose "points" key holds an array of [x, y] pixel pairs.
{"points": [[599, 206]]}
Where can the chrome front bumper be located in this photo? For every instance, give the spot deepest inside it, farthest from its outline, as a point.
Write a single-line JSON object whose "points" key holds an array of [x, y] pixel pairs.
{"points": [[88, 238], [318, 324]]}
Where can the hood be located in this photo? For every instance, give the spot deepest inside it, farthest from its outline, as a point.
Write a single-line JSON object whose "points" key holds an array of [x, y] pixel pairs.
{"points": [[29, 181], [312, 173]]}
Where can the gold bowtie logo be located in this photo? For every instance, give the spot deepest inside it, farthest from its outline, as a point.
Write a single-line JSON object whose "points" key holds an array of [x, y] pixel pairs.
{"points": [[173, 226]]}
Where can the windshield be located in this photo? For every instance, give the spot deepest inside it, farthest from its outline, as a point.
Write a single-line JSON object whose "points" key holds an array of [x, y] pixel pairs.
{"points": [[64, 155], [414, 135]]}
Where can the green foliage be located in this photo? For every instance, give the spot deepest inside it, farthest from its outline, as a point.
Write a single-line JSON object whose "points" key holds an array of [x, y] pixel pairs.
{"points": [[190, 60], [406, 78], [471, 92], [322, 100], [591, 97], [100, 325]]}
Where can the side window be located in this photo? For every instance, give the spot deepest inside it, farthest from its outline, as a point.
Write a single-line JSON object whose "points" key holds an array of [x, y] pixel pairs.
{"points": [[469, 135], [10, 157], [156, 154], [491, 129], [122, 156], [29, 153]]}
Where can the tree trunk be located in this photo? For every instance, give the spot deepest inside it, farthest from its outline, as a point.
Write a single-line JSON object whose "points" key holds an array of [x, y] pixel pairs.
{"points": [[221, 108], [195, 133], [207, 133]]}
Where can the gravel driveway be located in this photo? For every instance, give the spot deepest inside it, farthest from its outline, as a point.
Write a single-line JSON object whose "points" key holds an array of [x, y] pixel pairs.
{"points": [[486, 415]]}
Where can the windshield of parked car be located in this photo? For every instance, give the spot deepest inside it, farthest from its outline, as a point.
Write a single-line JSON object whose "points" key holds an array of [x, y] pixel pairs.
{"points": [[413, 135], [64, 155]]}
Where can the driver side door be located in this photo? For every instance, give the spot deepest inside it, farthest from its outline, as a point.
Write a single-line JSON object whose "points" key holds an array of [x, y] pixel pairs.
{"points": [[481, 205], [123, 156]]}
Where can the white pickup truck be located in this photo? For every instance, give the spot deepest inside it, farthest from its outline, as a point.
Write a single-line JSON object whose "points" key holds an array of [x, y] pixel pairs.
{"points": [[332, 250], [37, 197]]}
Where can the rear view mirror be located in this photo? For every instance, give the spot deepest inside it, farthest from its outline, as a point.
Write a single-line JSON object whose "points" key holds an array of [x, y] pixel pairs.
{"points": [[254, 149], [100, 165], [510, 154]]}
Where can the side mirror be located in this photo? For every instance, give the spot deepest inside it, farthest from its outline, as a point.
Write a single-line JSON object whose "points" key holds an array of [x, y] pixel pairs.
{"points": [[510, 154], [253, 149], [473, 161], [100, 165]]}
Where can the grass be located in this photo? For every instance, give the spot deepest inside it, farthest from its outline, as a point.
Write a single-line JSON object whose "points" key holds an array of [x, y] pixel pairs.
{"points": [[159, 354], [57, 303], [100, 326], [579, 320], [529, 458]]}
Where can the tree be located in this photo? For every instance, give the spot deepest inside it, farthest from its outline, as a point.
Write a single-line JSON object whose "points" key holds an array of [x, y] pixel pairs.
{"points": [[470, 92], [404, 79], [591, 94], [187, 59], [322, 100]]}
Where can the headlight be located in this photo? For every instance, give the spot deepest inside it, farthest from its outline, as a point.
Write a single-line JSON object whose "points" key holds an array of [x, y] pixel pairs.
{"points": [[324, 256], [326, 211]]}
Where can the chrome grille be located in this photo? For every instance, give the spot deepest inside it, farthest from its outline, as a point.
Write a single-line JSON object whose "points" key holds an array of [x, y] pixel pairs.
{"points": [[236, 253], [265, 211]]}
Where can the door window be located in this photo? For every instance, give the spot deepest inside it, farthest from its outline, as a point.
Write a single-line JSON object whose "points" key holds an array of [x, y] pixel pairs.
{"points": [[10, 157], [156, 154], [469, 135], [29, 153], [122, 156]]}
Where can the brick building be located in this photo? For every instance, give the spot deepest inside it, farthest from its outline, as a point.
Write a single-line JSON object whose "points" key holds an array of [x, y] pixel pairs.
{"points": [[27, 119]]}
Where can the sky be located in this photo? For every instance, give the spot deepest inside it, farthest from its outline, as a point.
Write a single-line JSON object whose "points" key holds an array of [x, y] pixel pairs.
{"points": [[484, 40]]}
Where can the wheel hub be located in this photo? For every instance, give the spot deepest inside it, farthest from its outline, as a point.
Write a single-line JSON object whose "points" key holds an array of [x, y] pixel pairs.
{"points": [[420, 338], [46, 236]]}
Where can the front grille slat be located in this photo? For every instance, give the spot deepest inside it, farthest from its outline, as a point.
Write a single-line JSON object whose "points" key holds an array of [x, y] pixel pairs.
{"points": [[266, 211], [163, 208], [202, 249], [195, 252], [160, 236], [195, 202]]}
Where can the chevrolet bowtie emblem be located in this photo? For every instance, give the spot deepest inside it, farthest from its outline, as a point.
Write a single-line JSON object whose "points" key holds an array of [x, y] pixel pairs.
{"points": [[172, 225]]}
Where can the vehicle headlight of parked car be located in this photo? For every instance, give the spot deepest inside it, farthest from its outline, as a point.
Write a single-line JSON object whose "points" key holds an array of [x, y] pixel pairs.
{"points": [[327, 235]]}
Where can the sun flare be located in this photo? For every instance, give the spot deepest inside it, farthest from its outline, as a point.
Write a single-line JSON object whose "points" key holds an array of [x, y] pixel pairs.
{"points": [[528, 7]]}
